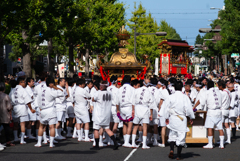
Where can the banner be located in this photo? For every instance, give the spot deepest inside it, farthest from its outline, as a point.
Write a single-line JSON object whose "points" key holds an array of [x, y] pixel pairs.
{"points": [[61, 70]]}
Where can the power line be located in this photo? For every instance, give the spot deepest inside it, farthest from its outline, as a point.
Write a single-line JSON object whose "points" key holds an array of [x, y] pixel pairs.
{"points": [[185, 13]]}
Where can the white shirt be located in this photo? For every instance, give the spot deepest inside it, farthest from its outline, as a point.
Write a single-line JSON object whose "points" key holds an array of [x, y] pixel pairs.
{"points": [[126, 98], [213, 100], [70, 97], [226, 100], [156, 95], [47, 101], [20, 98], [61, 102], [144, 101], [37, 92], [80, 97], [200, 94], [180, 105], [234, 104], [102, 107]]}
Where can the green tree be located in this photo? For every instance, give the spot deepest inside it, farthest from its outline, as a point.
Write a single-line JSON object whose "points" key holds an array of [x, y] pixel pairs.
{"points": [[10, 12], [199, 39], [147, 44]]}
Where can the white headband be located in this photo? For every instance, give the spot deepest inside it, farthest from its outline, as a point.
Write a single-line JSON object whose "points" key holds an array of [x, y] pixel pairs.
{"points": [[114, 81], [104, 84], [146, 84], [160, 83], [198, 85]]}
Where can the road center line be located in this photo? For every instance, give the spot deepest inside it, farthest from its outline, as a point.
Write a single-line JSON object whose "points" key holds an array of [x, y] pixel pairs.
{"points": [[133, 151]]}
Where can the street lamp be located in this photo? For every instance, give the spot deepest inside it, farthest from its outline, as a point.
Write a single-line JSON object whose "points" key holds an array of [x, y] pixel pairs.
{"points": [[214, 8], [137, 34]]}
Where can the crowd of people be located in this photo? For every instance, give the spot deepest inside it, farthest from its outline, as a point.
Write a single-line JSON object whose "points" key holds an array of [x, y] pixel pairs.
{"points": [[137, 109]]}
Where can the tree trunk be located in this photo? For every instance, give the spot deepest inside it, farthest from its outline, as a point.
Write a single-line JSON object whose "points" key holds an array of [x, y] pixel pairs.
{"points": [[1, 63], [51, 62], [70, 57], [87, 63], [221, 63], [26, 57]]}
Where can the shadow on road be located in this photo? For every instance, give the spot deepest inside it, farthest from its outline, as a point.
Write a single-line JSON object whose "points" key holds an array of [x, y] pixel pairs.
{"points": [[190, 155]]}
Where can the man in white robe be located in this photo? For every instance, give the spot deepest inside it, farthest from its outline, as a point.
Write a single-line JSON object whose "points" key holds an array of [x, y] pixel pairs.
{"points": [[233, 113], [21, 102], [102, 114], [32, 116], [176, 109], [48, 114], [164, 94], [61, 107], [81, 97], [126, 108], [213, 101], [226, 100], [144, 104], [114, 119]]}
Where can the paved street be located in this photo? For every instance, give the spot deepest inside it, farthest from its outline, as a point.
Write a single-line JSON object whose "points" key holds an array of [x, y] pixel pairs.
{"points": [[71, 149]]}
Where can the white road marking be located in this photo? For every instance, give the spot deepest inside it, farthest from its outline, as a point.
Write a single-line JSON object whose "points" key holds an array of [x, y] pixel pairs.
{"points": [[133, 151]]}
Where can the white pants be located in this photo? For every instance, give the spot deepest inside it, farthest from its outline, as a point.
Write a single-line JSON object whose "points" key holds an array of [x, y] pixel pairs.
{"points": [[213, 121], [178, 137]]}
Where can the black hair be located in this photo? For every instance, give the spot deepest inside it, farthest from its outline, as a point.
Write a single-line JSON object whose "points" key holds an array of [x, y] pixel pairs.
{"points": [[173, 81], [154, 81], [141, 83], [221, 83], [88, 82], [200, 83], [134, 82], [96, 78], [50, 80], [43, 76], [20, 79], [2, 86], [113, 78], [80, 82], [70, 81], [28, 80], [13, 83], [96, 84], [178, 86], [210, 84], [126, 79], [60, 79]]}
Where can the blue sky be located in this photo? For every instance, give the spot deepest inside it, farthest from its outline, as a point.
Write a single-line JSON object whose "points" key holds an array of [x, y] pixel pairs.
{"points": [[187, 25]]}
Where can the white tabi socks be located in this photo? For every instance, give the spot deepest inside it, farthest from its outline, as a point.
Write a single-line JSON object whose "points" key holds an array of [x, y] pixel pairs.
{"points": [[22, 138], [228, 131], [221, 142], [74, 133], [144, 146], [209, 145], [79, 135], [44, 138], [126, 141], [51, 145], [86, 136], [39, 144], [155, 143], [101, 144], [133, 141]]}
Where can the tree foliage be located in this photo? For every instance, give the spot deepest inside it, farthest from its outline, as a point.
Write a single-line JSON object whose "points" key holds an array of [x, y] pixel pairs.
{"points": [[145, 23]]}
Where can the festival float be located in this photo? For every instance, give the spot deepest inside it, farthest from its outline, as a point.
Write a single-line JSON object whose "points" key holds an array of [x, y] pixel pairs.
{"points": [[174, 57], [123, 62]]}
